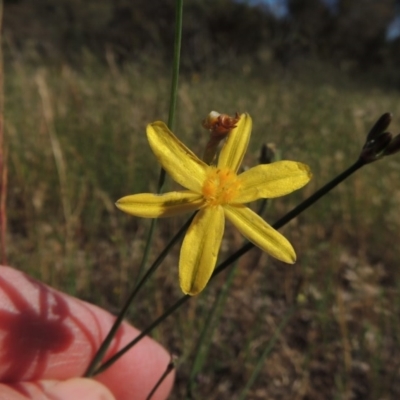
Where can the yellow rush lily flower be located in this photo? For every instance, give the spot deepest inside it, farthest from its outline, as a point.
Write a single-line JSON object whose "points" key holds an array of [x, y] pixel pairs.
{"points": [[219, 193]]}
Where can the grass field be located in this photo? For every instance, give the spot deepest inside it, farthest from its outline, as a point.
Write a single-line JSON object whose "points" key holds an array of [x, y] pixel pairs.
{"points": [[76, 143]]}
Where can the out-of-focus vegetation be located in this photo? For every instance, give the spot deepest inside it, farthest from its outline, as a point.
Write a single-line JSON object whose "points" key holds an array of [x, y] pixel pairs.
{"points": [[351, 34], [77, 103], [77, 143]]}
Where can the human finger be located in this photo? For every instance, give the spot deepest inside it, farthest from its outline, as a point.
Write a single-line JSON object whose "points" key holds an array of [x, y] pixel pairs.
{"points": [[75, 388], [45, 334]]}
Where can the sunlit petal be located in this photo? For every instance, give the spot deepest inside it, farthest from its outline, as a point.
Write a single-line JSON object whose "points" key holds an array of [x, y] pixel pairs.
{"points": [[180, 162], [200, 249], [148, 205], [272, 180], [232, 152], [255, 229]]}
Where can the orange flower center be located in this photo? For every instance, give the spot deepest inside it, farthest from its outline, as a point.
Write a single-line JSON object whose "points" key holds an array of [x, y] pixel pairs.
{"points": [[220, 187]]}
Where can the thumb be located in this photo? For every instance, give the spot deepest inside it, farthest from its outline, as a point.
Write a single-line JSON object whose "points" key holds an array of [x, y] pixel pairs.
{"points": [[75, 388]]}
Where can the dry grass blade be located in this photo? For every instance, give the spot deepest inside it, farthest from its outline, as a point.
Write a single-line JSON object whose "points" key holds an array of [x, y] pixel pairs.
{"points": [[57, 154]]}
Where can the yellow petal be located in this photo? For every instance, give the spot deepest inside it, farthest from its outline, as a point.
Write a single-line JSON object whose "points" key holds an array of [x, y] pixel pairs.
{"points": [[180, 162], [272, 180], [200, 249], [255, 229], [232, 152], [148, 205]]}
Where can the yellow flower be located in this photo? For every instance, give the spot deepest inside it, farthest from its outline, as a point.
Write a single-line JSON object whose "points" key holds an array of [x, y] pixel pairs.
{"points": [[219, 193]]}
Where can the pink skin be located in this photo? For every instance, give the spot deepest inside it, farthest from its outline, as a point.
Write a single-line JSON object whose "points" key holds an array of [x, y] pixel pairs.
{"points": [[48, 338]]}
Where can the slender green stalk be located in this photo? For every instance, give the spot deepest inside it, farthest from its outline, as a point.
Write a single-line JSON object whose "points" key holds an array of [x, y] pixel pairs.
{"points": [[215, 312], [171, 120], [138, 338], [3, 154], [177, 61], [318, 194], [243, 250], [265, 354], [206, 335], [107, 341], [167, 371], [141, 281], [146, 250]]}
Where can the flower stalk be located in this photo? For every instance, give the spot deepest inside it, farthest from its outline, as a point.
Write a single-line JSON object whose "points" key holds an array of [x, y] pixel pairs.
{"points": [[171, 120]]}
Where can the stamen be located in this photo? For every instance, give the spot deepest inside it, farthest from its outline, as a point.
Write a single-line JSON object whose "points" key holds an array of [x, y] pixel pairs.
{"points": [[220, 187]]}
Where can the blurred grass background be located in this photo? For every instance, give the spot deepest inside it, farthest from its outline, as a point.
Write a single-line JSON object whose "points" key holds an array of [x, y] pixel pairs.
{"points": [[76, 143], [75, 134]]}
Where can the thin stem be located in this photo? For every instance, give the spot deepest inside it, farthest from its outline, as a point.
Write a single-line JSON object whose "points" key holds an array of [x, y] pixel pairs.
{"points": [[171, 120], [107, 341], [3, 155], [168, 370], [177, 60], [138, 338], [207, 332], [243, 250], [147, 247], [318, 194], [206, 335], [265, 353]]}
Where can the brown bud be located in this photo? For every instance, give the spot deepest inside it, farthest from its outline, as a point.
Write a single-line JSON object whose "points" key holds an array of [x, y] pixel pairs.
{"points": [[393, 147], [267, 154], [373, 149], [220, 124], [379, 126]]}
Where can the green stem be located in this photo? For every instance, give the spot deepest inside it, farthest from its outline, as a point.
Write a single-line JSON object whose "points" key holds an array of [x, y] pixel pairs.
{"points": [[167, 371], [171, 122], [215, 312], [147, 247], [176, 64], [206, 335], [318, 194], [243, 250], [264, 355], [171, 119], [138, 338], [107, 341], [3, 153]]}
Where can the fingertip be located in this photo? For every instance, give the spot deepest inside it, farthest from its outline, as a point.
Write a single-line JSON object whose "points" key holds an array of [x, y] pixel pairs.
{"points": [[138, 371], [77, 329], [74, 388], [77, 388]]}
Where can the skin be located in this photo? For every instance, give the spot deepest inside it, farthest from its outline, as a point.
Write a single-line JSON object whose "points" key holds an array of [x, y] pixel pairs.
{"points": [[48, 338]]}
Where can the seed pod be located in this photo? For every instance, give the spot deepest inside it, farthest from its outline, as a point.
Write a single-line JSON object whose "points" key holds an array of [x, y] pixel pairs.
{"points": [[373, 150], [380, 125], [393, 147]]}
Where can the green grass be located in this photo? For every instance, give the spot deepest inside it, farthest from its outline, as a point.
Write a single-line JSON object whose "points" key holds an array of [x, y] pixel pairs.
{"points": [[342, 341]]}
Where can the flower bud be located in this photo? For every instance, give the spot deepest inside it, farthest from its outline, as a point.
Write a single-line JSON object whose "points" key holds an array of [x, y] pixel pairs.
{"points": [[267, 154], [380, 125], [393, 147], [374, 149]]}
